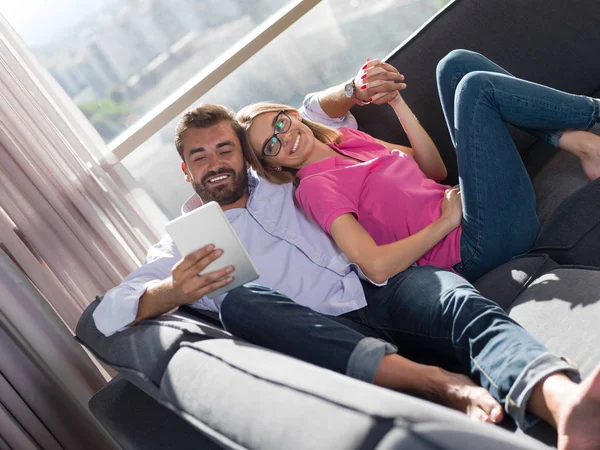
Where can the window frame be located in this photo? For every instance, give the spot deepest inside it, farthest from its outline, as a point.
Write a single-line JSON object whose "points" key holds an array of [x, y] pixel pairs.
{"points": [[206, 79]]}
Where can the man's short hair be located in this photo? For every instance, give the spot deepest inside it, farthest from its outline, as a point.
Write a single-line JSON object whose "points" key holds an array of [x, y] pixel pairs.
{"points": [[205, 116]]}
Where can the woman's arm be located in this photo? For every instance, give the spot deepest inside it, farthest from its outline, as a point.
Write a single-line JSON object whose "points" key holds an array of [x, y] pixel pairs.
{"points": [[380, 262], [381, 83], [424, 150]]}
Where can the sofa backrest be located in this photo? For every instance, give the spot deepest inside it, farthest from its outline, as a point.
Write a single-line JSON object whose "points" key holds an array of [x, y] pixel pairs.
{"points": [[553, 42]]}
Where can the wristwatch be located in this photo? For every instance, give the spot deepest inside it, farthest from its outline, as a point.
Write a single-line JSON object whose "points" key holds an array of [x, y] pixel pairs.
{"points": [[350, 93]]}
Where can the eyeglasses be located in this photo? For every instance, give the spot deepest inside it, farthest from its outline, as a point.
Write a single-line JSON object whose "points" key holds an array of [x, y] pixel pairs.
{"points": [[282, 124]]}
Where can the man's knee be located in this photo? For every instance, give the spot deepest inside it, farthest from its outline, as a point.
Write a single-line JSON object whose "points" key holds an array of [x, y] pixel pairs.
{"points": [[238, 304], [434, 285], [249, 305]]}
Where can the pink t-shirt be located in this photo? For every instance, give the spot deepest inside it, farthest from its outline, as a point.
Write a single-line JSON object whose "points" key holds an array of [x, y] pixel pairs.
{"points": [[387, 192]]}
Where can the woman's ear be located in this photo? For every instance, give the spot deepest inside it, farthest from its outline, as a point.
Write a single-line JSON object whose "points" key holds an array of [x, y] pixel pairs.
{"points": [[294, 113], [274, 168]]}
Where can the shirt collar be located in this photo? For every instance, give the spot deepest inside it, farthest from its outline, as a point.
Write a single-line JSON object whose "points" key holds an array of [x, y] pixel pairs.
{"points": [[317, 167], [196, 202]]}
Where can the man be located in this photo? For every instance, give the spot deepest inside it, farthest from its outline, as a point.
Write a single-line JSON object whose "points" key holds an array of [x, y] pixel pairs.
{"points": [[435, 316]]}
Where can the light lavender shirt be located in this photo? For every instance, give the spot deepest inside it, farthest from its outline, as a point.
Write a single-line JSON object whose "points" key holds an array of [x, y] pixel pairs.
{"points": [[293, 255]]}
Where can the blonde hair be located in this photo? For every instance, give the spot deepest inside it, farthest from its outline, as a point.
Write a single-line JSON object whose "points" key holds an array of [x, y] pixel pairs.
{"points": [[245, 118]]}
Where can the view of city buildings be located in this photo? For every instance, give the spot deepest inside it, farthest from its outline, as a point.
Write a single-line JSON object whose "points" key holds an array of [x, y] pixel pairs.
{"points": [[129, 55]]}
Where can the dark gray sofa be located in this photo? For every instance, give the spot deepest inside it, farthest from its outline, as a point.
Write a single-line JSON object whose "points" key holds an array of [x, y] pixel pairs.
{"points": [[185, 383]]}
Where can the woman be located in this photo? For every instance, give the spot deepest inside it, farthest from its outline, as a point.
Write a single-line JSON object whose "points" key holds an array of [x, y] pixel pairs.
{"points": [[382, 203]]}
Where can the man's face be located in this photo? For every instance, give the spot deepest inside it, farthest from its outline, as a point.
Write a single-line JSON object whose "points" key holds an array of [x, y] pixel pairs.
{"points": [[215, 164]]}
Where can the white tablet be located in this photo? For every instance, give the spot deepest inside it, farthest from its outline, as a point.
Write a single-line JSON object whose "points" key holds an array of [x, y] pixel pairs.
{"points": [[209, 225]]}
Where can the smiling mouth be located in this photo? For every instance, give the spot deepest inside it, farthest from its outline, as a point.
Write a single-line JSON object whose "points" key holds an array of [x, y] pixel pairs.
{"points": [[219, 179], [295, 147]]}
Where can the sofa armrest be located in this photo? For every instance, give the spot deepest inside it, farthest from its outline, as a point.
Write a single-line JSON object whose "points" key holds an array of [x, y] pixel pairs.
{"points": [[142, 352], [249, 397]]}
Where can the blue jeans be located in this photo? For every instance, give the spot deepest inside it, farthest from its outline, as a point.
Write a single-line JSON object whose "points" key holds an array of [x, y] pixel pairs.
{"points": [[431, 315], [479, 99]]}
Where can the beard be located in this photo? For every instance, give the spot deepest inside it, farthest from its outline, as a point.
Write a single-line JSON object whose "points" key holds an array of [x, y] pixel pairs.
{"points": [[225, 194]]}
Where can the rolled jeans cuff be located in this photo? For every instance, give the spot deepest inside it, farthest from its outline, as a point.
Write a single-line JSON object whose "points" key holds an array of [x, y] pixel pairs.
{"points": [[595, 125], [366, 358], [538, 369]]}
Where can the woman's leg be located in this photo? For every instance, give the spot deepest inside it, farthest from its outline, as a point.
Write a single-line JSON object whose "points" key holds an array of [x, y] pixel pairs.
{"points": [[453, 67], [434, 310], [499, 216], [270, 319]]}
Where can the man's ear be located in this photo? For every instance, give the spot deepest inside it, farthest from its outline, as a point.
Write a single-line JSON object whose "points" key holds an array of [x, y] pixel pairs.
{"points": [[184, 169]]}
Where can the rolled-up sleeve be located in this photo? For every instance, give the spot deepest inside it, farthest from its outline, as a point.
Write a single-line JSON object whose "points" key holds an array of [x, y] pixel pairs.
{"points": [[311, 110], [119, 306]]}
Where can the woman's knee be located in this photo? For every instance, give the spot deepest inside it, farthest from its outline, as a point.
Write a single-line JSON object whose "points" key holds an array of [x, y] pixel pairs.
{"points": [[458, 62], [475, 84]]}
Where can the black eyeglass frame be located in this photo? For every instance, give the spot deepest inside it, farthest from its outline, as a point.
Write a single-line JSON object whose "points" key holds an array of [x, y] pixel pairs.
{"points": [[276, 132]]}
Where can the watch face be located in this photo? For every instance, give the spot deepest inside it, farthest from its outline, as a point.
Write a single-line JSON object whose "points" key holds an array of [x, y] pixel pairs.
{"points": [[349, 90]]}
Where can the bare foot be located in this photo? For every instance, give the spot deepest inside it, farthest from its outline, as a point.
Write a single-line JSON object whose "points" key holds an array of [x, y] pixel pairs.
{"points": [[579, 426], [461, 393], [586, 146]]}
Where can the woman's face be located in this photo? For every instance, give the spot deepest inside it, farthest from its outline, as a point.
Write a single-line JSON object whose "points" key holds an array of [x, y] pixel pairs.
{"points": [[281, 139]]}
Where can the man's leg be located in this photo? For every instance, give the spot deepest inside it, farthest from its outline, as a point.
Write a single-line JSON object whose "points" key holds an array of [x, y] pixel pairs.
{"points": [[434, 310], [269, 319]]}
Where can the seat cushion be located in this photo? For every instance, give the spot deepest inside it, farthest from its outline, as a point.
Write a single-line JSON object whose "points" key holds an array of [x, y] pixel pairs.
{"points": [[571, 235], [562, 310], [504, 284], [141, 353]]}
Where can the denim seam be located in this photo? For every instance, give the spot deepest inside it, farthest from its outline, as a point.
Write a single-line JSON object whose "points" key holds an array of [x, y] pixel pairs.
{"points": [[459, 347], [410, 333], [468, 262], [595, 115], [489, 378], [363, 317], [596, 107], [475, 175]]}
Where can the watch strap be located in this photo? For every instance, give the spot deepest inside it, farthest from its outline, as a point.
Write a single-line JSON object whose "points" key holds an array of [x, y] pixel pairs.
{"points": [[355, 99]]}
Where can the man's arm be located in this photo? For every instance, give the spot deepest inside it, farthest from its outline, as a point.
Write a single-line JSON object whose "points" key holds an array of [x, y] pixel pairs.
{"points": [[123, 304], [185, 285], [376, 81]]}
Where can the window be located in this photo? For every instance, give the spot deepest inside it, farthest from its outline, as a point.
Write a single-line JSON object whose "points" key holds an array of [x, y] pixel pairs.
{"points": [[325, 47], [118, 59]]}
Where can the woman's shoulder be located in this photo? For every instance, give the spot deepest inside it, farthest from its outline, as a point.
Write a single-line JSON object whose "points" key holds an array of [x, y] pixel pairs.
{"points": [[351, 133]]}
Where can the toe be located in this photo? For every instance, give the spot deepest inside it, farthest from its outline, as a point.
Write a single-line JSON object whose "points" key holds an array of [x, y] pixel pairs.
{"points": [[490, 406], [479, 415]]}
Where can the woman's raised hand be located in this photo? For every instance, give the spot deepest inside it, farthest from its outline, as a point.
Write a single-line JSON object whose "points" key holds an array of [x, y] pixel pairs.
{"points": [[452, 207], [378, 82]]}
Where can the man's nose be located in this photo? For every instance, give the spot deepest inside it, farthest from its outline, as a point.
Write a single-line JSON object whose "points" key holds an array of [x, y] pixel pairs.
{"points": [[215, 164]]}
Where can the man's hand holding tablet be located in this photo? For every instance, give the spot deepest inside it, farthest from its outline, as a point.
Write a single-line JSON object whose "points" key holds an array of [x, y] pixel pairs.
{"points": [[215, 262], [189, 285], [185, 285]]}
